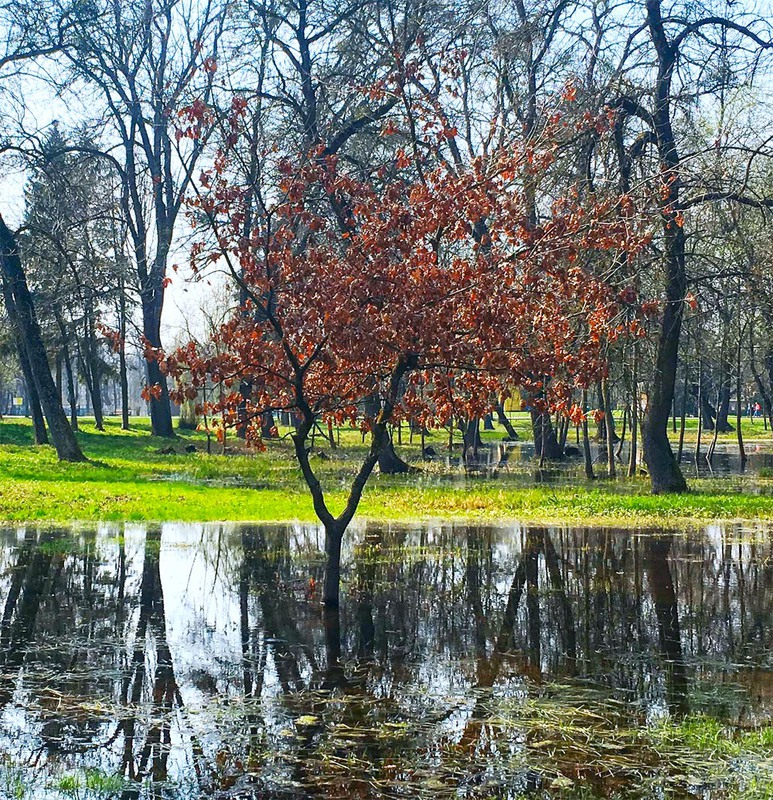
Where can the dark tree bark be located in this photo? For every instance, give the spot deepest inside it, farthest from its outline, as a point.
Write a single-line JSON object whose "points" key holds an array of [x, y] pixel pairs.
{"points": [[665, 474], [664, 597], [471, 442], [505, 422], [546, 444], [92, 368], [122, 371], [33, 399], [62, 435], [160, 404], [609, 426], [703, 401], [67, 359], [723, 407], [588, 459], [389, 463]]}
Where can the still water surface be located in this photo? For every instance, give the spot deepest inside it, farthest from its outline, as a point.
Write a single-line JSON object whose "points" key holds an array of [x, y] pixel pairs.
{"points": [[191, 661]]}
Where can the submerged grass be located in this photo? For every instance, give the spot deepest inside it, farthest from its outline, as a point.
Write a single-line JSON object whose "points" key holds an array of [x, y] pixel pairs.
{"points": [[129, 477]]}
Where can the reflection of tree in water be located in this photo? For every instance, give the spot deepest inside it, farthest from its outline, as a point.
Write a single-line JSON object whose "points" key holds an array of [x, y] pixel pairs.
{"points": [[59, 623], [446, 635]]}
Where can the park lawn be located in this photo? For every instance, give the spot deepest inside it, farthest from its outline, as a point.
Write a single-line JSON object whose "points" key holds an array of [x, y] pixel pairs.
{"points": [[127, 478]]}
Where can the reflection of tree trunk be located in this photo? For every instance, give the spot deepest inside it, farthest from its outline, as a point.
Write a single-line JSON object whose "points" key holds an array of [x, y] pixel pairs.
{"points": [[20, 612], [473, 582], [557, 581], [335, 678], [525, 573], [534, 624], [664, 597], [364, 587]]}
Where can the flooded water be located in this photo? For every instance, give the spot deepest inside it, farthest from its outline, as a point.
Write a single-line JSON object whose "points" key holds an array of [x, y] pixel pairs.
{"points": [[193, 661]]}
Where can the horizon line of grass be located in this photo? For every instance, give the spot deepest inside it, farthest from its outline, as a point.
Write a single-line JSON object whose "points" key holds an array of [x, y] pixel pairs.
{"points": [[24, 501], [130, 478]]}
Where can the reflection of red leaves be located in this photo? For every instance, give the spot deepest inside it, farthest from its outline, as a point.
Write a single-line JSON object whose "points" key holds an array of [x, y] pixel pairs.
{"points": [[598, 416]]}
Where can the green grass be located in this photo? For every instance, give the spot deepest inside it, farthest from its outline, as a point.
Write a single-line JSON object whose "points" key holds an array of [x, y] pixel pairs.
{"points": [[127, 478]]}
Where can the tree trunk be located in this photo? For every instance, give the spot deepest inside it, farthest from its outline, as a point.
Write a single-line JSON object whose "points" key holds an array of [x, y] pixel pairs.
{"points": [[665, 474], [738, 388], [505, 422], [33, 399], [62, 435], [546, 444], [331, 591], [96, 383], [723, 406], [389, 463], [160, 406], [761, 387], [634, 457], [122, 371], [589, 474], [33, 403], [683, 419], [71, 395], [705, 409], [471, 442], [609, 429]]}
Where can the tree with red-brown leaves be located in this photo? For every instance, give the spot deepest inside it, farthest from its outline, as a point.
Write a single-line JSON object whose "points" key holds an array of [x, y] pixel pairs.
{"points": [[397, 299]]}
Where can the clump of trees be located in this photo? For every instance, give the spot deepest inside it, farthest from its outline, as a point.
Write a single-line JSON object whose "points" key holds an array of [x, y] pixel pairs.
{"points": [[355, 99]]}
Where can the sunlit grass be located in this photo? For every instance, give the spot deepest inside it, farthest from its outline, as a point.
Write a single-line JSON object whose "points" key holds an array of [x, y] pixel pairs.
{"points": [[128, 477]]}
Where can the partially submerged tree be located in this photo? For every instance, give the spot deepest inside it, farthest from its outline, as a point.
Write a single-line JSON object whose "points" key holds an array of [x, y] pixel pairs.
{"points": [[404, 303]]}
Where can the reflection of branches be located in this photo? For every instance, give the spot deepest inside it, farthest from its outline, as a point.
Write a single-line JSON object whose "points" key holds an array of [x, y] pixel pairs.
{"points": [[152, 760], [21, 608]]}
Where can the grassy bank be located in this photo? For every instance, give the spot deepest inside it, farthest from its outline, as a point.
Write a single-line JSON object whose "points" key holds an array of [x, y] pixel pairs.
{"points": [[129, 477]]}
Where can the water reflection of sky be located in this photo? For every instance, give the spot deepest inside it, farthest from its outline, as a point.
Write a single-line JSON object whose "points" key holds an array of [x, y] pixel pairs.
{"points": [[196, 656]]}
